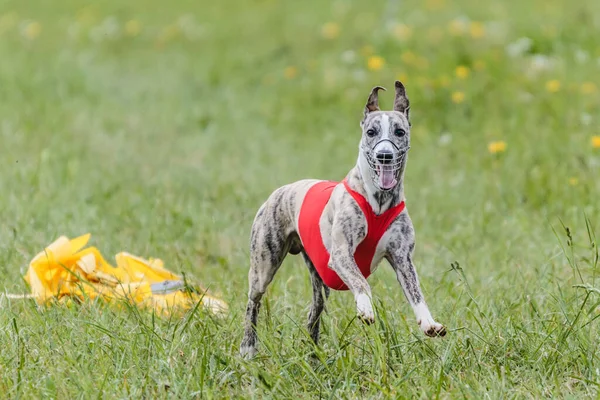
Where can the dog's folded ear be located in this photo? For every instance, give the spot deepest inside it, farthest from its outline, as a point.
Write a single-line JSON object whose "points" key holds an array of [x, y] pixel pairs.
{"points": [[401, 103], [373, 101]]}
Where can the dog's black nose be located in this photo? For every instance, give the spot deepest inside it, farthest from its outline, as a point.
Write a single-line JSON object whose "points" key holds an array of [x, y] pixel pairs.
{"points": [[385, 156]]}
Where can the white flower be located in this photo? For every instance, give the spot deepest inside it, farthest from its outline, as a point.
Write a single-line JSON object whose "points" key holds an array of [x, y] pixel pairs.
{"points": [[497, 31], [189, 27], [581, 56], [445, 139], [525, 97], [586, 119], [74, 30], [519, 47], [540, 62], [108, 29], [349, 57], [359, 75]]}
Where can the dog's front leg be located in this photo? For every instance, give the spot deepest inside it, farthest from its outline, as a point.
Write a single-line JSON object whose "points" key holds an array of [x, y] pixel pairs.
{"points": [[344, 239], [342, 262], [400, 258]]}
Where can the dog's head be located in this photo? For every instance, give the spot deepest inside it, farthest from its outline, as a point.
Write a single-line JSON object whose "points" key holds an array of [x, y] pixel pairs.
{"points": [[386, 138]]}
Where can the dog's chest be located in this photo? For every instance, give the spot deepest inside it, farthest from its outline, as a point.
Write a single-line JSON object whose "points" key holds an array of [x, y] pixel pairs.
{"points": [[380, 250]]}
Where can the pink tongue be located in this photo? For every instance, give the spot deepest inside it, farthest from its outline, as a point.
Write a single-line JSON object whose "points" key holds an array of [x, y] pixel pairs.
{"points": [[386, 177]]}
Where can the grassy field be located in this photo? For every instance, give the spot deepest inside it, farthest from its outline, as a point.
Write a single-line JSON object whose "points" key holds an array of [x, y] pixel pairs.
{"points": [[161, 127]]}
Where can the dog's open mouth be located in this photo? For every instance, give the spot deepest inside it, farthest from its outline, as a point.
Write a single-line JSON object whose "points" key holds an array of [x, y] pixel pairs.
{"points": [[386, 175], [385, 170]]}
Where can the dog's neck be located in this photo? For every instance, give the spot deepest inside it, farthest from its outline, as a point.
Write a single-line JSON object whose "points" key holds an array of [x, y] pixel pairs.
{"points": [[360, 180]]}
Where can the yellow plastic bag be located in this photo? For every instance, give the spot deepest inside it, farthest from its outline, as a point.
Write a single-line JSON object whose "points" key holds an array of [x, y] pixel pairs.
{"points": [[67, 268]]}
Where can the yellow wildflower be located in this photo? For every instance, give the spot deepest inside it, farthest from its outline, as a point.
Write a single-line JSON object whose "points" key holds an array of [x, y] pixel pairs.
{"points": [[32, 30], [596, 142], [330, 30], [290, 72], [375, 63], [402, 32], [497, 147], [458, 97], [588, 88], [457, 27], [573, 181], [477, 30], [133, 27], [553, 86], [462, 72]]}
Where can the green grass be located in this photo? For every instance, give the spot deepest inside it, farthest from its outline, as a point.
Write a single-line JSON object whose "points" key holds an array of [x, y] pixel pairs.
{"points": [[164, 142]]}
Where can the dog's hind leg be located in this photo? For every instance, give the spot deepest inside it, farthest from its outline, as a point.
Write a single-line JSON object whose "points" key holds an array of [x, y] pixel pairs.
{"points": [[318, 300], [269, 246]]}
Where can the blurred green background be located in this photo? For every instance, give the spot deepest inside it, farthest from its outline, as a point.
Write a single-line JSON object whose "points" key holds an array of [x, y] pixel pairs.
{"points": [[161, 127]]}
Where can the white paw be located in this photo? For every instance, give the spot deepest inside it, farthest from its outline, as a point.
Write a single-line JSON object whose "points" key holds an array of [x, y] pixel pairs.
{"points": [[431, 328], [364, 308], [248, 352]]}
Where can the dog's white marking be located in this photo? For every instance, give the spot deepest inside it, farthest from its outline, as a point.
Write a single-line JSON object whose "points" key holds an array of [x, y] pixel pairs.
{"points": [[385, 127], [364, 307], [248, 352], [424, 318], [384, 143]]}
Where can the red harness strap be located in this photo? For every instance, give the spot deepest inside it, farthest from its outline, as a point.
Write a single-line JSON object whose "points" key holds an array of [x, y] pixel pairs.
{"points": [[309, 231]]}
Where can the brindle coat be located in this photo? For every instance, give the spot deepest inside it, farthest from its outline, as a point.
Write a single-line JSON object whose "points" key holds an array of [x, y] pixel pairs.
{"points": [[343, 227]]}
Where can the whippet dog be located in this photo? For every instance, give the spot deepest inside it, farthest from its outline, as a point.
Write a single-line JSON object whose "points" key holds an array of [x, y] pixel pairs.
{"points": [[344, 230]]}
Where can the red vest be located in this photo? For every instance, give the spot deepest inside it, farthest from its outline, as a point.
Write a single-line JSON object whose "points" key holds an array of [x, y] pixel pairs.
{"points": [[310, 232]]}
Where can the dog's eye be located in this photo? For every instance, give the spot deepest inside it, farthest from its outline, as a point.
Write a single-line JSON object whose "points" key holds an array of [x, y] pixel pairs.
{"points": [[400, 132], [371, 132]]}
